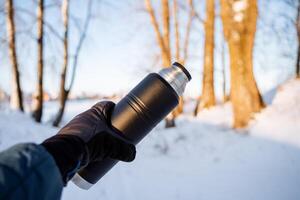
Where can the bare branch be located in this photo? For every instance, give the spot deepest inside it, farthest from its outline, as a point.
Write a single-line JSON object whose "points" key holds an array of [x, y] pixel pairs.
{"points": [[81, 40], [53, 30], [46, 24], [197, 16], [76, 20], [188, 30]]}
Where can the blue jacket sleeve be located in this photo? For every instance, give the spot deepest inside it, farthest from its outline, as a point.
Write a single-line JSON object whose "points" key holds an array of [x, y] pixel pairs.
{"points": [[28, 171]]}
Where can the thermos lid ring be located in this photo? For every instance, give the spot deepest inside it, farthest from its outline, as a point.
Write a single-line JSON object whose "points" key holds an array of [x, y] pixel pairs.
{"points": [[185, 71]]}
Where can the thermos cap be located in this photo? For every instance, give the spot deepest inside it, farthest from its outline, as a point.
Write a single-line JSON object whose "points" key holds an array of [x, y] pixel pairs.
{"points": [[177, 64], [177, 76]]}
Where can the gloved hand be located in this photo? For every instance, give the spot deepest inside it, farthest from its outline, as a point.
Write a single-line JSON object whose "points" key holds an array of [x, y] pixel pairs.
{"points": [[86, 138]]}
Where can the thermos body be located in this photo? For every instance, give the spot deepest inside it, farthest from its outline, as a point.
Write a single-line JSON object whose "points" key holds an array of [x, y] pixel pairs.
{"points": [[138, 113]]}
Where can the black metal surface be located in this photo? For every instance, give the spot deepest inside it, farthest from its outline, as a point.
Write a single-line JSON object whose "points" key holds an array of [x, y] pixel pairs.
{"points": [[135, 116]]}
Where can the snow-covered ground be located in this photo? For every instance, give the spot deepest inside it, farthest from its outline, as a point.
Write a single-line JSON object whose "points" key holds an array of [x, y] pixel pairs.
{"points": [[202, 159]]}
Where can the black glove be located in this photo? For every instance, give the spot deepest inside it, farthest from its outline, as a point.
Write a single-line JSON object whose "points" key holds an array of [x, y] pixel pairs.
{"points": [[86, 138]]}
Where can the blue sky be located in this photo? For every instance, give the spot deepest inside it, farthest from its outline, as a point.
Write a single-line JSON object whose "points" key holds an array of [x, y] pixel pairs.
{"points": [[121, 48]]}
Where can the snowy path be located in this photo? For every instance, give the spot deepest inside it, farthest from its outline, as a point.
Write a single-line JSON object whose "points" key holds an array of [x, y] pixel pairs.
{"points": [[202, 159]]}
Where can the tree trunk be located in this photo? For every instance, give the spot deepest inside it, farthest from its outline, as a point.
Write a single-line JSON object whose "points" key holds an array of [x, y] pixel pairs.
{"points": [[38, 107], [177, 33], [163, 41], [166, 32], [166, 58], [298, 34], [208, 94], [63, 94], [62, 104], [16, 96], [182, 60], [179, 109], [239, 22]]}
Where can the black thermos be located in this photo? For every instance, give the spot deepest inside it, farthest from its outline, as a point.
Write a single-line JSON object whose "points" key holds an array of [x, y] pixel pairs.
{"points": [[138, 113]]}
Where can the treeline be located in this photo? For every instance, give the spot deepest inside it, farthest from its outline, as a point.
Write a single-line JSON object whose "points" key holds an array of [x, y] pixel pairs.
{"points": [[172, 35]]}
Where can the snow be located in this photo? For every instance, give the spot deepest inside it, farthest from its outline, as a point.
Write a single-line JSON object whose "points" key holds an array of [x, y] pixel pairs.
{"points": [[203, 158], [238, 8], [238, 17], [240, 5], [281, 121]]}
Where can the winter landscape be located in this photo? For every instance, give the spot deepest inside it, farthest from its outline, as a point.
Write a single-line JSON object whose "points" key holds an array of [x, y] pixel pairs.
{"points": [[235, 134], [203, 158]]}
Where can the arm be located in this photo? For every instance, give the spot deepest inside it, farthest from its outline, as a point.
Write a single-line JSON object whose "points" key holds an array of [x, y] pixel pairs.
{"points": [[31, 171], [28, 171]]}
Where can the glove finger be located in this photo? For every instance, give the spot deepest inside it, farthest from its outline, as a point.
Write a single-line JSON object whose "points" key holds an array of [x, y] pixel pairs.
{"points": [[119, 150], [104, 108]]}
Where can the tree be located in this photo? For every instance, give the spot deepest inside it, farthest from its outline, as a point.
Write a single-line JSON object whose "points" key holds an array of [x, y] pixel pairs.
{"points": [[63, 94], [184, 56], [38, 107], [208, 95], [179, 108], [239, 24], [64, 91], [163, 40], [16, 96]]}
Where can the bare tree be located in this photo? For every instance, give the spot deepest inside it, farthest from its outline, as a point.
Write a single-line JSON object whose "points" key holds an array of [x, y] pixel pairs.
{"points": [[16, 96], [163, 40], [38, 105], [63, 94], [64, 91], [179, 108], [208, 94], [239, 25], [184, 56]]}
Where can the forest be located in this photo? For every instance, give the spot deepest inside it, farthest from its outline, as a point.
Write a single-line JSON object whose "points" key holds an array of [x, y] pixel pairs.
{"points": [[172, 37], [59, 57]]}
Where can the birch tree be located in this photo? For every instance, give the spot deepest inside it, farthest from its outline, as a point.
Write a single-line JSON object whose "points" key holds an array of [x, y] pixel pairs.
{"points": [[63, 93], [239, 24], [16, 95], [38, 104], [64, 89]]}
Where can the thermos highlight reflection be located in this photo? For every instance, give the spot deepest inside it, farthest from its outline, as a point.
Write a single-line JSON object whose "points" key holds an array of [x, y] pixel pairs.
{"points": [[138, 113]]}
